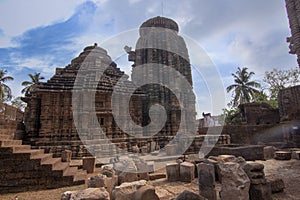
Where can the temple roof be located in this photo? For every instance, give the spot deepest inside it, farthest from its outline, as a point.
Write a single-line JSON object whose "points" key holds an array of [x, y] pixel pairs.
{"points": [[98, 60], [162, 22]]}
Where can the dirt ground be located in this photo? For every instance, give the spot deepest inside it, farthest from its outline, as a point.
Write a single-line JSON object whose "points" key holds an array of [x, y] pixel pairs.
{"points": [[289, 171]]}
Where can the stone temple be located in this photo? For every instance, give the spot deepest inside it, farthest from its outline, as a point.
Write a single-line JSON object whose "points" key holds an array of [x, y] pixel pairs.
{"points": [[160, 55]]}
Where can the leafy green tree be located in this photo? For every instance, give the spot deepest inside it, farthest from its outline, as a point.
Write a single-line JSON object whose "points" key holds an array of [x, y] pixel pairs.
{"points": [[278, 79], [232, 116], [5, 91], [262, 97], [35, 79], [243, 88]]}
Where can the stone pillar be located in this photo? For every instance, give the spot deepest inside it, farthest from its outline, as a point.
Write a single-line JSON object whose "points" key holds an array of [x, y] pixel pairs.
{"points": [[88, 164], [206, 180], [150, 166], [187, 172], [66, 156], [173, 171]]}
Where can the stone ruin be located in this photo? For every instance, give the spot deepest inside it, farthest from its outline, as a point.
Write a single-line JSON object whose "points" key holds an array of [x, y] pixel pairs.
{"points": [[293, 11], [289, 103], [49, 126], [49, 120], [259, 113], [226, 177], [223, 177]]}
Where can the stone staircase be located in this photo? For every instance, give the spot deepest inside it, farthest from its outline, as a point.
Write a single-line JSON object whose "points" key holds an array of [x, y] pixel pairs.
{"points": [[25, 169]]}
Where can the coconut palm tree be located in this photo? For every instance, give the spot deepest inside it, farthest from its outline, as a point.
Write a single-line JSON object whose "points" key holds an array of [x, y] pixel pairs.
{"points": [[5, 91], [35, 79], [244, 88]]}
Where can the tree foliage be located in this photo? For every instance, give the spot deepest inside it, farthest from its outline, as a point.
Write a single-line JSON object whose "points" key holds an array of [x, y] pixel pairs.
{"points": [[262, 97], [232, 116], [243, 88], [278, 79], [5, 91], [34, 79]]}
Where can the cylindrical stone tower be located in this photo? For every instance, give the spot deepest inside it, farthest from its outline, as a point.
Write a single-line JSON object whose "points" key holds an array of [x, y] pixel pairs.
{"points": [[161, 56]]}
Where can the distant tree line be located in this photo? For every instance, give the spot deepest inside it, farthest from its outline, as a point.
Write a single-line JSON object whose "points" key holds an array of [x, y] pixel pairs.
{"points": [[246, 90]]}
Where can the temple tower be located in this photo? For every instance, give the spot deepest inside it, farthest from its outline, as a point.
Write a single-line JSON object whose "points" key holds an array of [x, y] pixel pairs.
{"points": [[158, 46]]}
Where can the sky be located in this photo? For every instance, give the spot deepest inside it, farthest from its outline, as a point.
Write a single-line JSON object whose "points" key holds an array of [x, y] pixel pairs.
{"points": [[41, 35]]}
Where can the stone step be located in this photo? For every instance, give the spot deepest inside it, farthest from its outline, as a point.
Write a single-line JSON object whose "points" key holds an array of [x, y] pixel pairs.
{"points": [[42, 157], [80, 176], [31, 152], [52, 161], [8, 143], [62, 166], [70, 171], [29, 163], [4, 137], [17, 148]]}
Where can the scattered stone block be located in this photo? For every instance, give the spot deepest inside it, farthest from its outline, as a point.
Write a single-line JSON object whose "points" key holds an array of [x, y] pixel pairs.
{"points": [[260, 191], [187, 195], [88, 164], [235, 182], [206, 180], [126, 191], [277, 184], [283, 155], [173, 171], [89, 194], [107, 171], [269, 152], [226, 158], [146, 192], [143, 176], [127, 177], [187, 172], [103, 181], [296, 155], [206, 174], [141, 166], [157, 176], [66, 156], [179, 161], [255, 172], [150, 166]]}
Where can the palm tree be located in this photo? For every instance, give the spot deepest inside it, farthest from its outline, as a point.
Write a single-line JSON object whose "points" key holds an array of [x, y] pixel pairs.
{"points": [[5, 91], [35, 79], [244, 88]]}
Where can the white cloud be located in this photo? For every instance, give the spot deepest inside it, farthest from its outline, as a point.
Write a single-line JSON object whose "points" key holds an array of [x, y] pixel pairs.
{"points": [[18, 16]]}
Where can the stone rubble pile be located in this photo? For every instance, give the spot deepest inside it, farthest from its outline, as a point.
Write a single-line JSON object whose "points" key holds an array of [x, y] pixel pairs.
{"points": [[226, 177], [223, 177]]}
